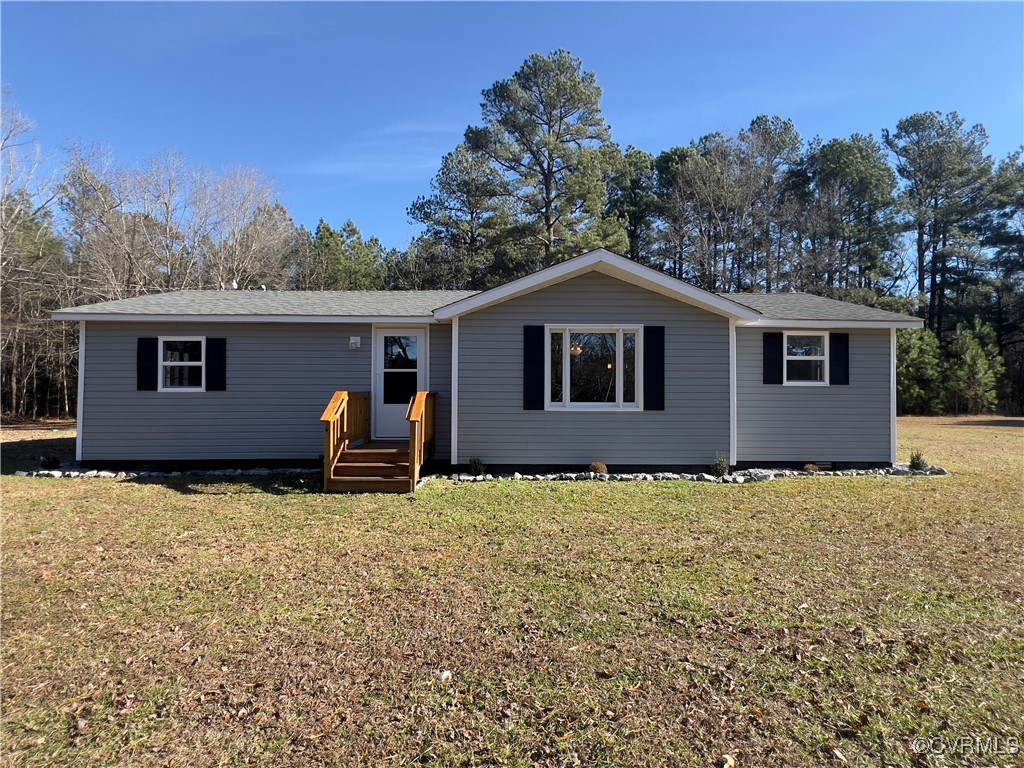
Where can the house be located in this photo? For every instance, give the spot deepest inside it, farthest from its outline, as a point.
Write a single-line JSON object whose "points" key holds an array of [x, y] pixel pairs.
{"points": [[594, 359]]}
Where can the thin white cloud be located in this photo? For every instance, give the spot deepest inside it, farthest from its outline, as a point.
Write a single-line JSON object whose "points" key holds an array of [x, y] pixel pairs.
{"points": [[397, 151]]}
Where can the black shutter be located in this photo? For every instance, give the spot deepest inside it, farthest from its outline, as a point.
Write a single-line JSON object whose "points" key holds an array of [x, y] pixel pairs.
{"points": [[654, 368], [533, 367], [146, 365], [216, 365], [839, 358], [772, 358]]}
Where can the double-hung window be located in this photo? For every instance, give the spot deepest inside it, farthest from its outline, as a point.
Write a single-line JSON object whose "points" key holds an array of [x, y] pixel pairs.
{"points": [[593, 367], [806, 361], [182, 363]]}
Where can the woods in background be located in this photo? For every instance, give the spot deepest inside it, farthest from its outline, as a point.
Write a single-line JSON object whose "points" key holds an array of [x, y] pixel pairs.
{"points": [[921, 220]]}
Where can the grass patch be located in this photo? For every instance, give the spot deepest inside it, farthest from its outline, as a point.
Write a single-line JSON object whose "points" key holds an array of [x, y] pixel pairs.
{"points": [[594, 624]]}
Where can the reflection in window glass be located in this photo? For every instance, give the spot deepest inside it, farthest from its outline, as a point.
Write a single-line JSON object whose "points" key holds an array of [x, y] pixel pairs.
{"points": [[592, 367], [805, 357], [805, 346], [400, 352], [629, 367], [181, 364], [183, 376], [183, 351], [556, 367], [805, 370]]}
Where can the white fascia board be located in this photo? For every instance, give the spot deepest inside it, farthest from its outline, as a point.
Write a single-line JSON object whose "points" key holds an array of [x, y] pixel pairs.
{"points": [[120, 317], [607, 263], [853, 325]]}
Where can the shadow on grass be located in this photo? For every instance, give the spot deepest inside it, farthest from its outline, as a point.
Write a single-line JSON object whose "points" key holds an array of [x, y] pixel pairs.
{"points": [[27, 455], [274, 484], [1007, 422]]}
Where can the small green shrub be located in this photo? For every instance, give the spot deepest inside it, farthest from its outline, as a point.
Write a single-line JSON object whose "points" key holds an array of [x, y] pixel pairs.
{"points": [[812, 468], [720, 467], [917, 461], [477, 466], [599, 466]]}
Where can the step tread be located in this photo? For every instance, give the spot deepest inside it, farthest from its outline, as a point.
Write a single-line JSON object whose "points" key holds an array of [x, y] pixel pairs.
{"points": [[374, 457], [371, 469]]}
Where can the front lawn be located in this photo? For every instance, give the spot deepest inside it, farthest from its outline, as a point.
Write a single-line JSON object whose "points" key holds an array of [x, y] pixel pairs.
{"points": [[804, 622]]}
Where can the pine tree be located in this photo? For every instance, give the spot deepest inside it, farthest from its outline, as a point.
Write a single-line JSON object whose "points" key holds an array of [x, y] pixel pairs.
{"points": [[971, 384], [918, 373], [543, 129]]}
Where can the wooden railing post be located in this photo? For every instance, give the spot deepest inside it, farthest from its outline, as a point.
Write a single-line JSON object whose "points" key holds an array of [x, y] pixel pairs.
{"points": [[420, 415], [346, 418]]}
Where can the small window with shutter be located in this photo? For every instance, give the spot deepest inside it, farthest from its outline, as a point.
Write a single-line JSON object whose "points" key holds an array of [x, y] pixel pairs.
{"points": [[182, 366]]}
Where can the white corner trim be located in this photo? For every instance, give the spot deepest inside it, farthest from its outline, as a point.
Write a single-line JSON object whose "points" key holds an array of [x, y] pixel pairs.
{"points": [[455, 391], [80, 405], [607, 263], [732, 391], [892, 396], [123, 317]]}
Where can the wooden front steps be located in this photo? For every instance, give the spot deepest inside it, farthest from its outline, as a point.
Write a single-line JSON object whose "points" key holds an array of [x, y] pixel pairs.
{"points": [[354, 463], [375, 467]]}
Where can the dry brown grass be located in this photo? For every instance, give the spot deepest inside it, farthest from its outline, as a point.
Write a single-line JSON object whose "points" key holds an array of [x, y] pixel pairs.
{"points": [[820, 621]]}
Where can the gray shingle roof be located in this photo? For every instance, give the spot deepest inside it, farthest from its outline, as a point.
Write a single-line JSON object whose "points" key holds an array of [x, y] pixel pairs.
{"points": [[774, 306], [805, 306], [278, 303]]}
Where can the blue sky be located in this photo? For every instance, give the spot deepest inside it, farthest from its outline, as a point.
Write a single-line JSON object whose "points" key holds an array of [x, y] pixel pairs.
{"points": [[349, 107]]}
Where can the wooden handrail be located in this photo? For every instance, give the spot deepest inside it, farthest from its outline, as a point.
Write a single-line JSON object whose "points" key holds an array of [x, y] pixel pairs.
{"points": [[346, 420], [420, 415]]}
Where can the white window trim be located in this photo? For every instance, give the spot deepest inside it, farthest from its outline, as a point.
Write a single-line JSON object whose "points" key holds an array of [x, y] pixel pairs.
{"points": [[786, 358], [618, 405], [161, 364]]}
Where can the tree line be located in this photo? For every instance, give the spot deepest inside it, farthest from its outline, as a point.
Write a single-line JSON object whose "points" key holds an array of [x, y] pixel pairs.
{"points": [[921, 219]]}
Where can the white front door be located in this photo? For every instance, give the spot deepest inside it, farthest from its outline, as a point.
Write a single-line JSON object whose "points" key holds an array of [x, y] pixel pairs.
{"points": [[400, 363]]}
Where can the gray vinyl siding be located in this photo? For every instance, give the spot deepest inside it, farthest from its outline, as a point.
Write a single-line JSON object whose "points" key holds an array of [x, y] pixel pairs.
{"points": [[806, 424], [279, 379], [441, 383], [693, 428]]}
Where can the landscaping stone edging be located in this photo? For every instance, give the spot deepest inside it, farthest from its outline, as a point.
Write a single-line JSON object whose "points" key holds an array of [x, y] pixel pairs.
{"points": [[70, 472], [737, 478]]}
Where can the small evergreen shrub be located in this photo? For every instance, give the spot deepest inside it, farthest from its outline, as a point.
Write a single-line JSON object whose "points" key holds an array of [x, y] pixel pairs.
{"points": [[917, 461], [599, 467], [477, 466], [720, 467], [812, 468]]}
